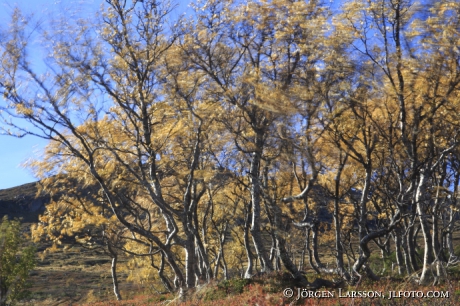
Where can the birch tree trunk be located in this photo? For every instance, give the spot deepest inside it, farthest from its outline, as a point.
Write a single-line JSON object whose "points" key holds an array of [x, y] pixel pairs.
{"points": [[266, 265], [428, 246], [247, 244], [113, 270], [399, 256]]}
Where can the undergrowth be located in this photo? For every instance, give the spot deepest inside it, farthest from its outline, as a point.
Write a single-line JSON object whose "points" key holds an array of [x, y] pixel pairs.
{"points": [[267, 290]]}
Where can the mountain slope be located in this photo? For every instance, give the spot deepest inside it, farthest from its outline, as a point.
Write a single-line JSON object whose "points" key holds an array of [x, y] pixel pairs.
{"points": [[22, 201]]}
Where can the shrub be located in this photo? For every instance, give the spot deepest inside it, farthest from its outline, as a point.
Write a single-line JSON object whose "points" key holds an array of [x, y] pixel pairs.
{"points": [[234, 286], [15, 263]]}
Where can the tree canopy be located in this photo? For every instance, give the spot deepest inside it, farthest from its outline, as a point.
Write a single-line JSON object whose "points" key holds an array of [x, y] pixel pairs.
{"points": [[227, 142]]}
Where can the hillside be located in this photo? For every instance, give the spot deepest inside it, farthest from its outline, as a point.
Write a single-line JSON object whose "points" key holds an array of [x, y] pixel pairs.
{"points": [[22, 202], [60, 277]]}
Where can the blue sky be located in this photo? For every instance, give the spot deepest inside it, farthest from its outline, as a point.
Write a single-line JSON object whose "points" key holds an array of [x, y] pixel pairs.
{"points": [[15, 151]]}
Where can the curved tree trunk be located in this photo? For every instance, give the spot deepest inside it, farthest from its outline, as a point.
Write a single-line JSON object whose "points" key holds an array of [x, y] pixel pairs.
{"points": [[247, 245], [310, 252], [428, 246], [288, 264], [113, 270], [163, 278], [256, 195]]}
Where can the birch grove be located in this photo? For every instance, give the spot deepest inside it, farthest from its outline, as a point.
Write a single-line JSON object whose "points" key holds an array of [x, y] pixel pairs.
{"points": [[248, 138]]}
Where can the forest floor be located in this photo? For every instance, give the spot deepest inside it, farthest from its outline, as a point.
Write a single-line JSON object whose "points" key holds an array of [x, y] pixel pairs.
{"points": [[77, 276], [72, 277]]}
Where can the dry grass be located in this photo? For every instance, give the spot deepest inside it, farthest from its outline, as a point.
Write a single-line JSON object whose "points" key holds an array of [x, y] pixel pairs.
{"points": [[77, 276], [72, 277], [263, 294]]}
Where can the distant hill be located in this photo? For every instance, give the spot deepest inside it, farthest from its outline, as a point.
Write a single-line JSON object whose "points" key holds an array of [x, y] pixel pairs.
{"points": [[22, 202]]}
